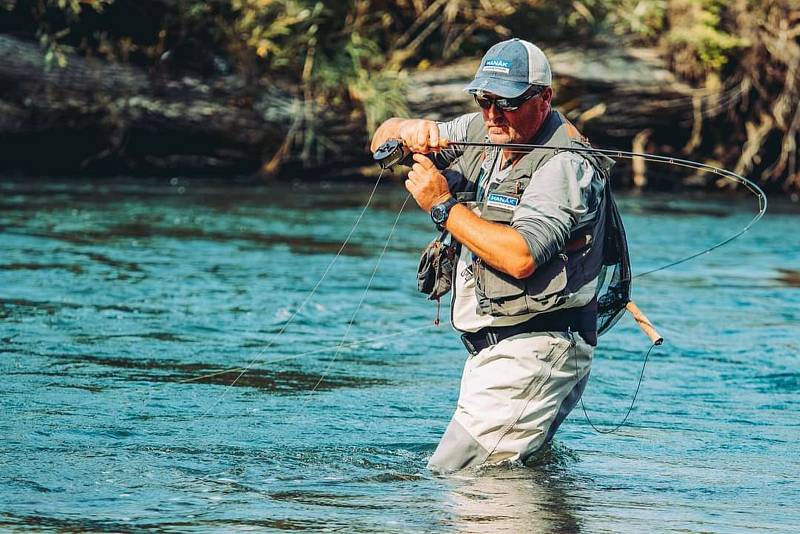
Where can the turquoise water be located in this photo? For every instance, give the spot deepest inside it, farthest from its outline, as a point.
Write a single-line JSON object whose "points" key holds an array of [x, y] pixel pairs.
{"points": [[123, 303]]}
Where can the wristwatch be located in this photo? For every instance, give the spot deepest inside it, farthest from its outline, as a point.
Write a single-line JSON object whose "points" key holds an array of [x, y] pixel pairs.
{"points": [[440, 212]]}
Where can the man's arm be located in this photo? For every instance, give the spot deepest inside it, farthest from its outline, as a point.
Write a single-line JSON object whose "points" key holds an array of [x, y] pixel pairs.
{"points": [[499, 245], [564, 193]]}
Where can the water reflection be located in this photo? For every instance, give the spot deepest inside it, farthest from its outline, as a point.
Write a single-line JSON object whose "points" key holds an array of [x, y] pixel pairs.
{"points": [[516, 498]]}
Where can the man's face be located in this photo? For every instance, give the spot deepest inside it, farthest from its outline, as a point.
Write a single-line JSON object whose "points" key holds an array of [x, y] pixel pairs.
{"points": [[520, 125]]}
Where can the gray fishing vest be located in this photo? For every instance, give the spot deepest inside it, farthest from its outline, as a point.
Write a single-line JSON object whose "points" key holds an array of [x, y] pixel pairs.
{"points": [[578, 263]]}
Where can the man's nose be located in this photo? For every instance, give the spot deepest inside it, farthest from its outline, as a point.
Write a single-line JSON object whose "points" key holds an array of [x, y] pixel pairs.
{"points": [[494, 111]]}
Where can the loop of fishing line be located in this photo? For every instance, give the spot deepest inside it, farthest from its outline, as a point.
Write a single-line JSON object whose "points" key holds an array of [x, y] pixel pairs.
{"points": [[678, 162], [343, 343], [633, 399]]}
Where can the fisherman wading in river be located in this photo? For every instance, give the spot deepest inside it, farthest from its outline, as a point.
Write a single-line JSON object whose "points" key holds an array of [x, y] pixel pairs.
{"points": [[527, 231]]}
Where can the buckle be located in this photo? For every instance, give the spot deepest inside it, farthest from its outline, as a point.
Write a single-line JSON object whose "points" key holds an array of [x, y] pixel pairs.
{"points": [[468, 344]]}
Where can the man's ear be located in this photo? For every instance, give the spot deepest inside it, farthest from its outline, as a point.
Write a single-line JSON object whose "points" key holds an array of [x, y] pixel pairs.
{"points": [[547, 95]]}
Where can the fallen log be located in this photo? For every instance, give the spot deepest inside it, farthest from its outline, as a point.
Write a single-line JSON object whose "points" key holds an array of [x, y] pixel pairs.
{"points": [[96, 116]]}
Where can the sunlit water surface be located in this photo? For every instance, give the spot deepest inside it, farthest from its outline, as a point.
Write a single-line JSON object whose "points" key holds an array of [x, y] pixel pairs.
{"points": [[123, 303]]}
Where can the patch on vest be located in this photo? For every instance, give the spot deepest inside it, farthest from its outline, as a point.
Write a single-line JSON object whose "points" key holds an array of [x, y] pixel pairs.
{"points": [[497, 65], [506, 202]]}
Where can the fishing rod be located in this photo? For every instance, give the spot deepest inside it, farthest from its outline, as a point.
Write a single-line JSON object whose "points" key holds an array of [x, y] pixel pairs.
{"points": [[394, 152]]}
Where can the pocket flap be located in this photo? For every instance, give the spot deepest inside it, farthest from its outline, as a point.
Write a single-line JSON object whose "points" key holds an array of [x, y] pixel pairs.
{"points": [[496, 284], [549, 279]]}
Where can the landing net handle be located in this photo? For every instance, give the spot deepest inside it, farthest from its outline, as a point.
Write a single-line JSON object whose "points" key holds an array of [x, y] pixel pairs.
{"points": [[644, 323]]}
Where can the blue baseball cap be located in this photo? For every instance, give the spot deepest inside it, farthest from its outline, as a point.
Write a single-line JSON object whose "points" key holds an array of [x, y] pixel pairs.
{"points": [[509, 68]]}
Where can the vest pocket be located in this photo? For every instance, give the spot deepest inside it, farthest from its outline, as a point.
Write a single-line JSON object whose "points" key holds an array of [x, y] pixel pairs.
{"points": [[503, 295], [494, 284], [498, 215], [547, 284]]}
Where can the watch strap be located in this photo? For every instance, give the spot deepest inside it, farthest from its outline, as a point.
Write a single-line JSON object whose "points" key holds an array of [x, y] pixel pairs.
{"points": [[446, 205]]}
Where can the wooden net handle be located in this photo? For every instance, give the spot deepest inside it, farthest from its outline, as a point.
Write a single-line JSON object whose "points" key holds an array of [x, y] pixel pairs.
{"points": [[644, 323]]}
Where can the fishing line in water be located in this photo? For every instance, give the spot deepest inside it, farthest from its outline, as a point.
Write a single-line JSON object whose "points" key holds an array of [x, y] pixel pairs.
{"points": [[305, 301], [343, 343], [358, 307], [242, 370]]}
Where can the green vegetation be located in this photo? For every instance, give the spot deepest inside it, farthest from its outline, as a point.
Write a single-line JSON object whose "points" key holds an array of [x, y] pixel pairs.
{"points": [[350, 56]]}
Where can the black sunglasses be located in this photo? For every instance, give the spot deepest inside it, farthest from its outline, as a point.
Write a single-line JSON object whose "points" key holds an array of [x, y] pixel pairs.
{"points": [[506, 104]]}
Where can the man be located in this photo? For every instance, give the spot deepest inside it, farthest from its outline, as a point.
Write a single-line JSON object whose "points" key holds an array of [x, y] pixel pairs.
{"points": [[530, 228]]}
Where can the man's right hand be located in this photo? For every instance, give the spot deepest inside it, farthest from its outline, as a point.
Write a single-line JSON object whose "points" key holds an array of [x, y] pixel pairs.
{"points": [[419, 135]]}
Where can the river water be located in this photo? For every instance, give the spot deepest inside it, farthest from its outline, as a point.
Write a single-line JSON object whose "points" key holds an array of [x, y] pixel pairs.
{"points": [[128, 308]]}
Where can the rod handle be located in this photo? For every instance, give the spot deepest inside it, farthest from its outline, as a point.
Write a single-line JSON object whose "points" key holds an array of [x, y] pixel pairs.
{"points": [[644, 323]]}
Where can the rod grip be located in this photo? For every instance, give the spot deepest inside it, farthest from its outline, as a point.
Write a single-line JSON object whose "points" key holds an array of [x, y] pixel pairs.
{"points": [[644, 323]]}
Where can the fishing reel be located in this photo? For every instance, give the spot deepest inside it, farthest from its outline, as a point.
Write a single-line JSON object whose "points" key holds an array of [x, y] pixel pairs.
{"points": [[392, 152]]}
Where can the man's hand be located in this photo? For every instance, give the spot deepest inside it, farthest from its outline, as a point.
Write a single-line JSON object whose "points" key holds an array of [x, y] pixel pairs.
{"points": [[419, 135], [426, 184]]}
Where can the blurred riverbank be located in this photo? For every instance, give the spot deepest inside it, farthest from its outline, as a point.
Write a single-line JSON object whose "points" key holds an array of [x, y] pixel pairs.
{"points": [[293, 88]]}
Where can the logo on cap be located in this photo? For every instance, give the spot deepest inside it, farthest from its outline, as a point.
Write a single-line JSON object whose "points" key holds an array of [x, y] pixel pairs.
{"points": [[497, 65]]}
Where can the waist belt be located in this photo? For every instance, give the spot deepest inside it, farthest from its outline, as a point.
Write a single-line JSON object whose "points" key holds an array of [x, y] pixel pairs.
{"points": [[582, 320]]}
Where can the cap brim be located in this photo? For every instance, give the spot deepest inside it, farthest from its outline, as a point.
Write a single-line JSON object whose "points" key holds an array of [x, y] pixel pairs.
{"points": [[502, 88]]}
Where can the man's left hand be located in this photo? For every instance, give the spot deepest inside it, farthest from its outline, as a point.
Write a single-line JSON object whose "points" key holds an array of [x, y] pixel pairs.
{"points": [[426, 184]]}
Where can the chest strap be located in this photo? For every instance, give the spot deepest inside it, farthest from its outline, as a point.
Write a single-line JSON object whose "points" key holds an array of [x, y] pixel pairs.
{"points": [[582, 320]]}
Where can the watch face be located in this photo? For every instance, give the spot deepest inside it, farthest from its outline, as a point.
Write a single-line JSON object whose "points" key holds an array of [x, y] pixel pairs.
{"points": [[438, 213]]}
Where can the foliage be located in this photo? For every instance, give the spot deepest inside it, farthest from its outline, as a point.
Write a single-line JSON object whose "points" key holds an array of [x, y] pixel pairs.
{"points": [[348, 57], [696, 40], [56, 19], [641, 19], [766, 120]]}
